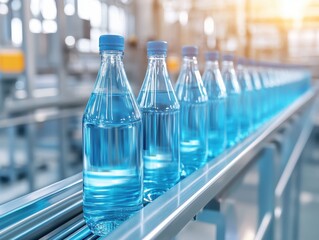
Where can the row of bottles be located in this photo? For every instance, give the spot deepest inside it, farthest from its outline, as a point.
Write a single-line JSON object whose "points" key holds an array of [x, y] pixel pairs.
{"points": [[134, 151]]}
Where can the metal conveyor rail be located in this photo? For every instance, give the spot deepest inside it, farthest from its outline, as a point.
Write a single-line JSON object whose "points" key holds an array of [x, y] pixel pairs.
{"points": [[55, 212]]}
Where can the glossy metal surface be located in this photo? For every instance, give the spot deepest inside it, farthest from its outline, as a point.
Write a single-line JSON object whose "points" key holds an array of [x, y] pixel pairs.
{"points": [[59, 205], [166, 216], [25, 207]]}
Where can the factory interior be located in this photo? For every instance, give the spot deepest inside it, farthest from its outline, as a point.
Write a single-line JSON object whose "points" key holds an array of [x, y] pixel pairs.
{"points": [[265, 187]]}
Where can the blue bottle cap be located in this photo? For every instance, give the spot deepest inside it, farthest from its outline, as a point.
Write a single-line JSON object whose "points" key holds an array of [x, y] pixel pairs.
{"points": [[252, 62], [241, 61], [156, 47], [190, 51], [212, 56], [111, 42], [228, 57]]}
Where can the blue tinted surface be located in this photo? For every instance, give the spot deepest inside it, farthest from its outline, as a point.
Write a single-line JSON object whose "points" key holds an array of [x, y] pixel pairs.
{"points": [[161, 142], [112, 179], [246, 110], [232, 103], [216, 116], [193, 99], [217, 126], [233, 119], [257, 99], [193, 136]]}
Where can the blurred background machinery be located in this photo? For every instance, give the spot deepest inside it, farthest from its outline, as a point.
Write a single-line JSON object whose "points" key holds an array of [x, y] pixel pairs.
{"points": [[49, 60]]}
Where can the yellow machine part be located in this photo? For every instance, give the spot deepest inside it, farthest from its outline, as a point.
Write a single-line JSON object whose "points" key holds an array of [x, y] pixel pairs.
{"points": [[11, 61], [173, 64]]}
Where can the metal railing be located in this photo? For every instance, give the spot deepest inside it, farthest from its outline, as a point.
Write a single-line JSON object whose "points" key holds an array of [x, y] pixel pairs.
{"points": [[55, 211]]}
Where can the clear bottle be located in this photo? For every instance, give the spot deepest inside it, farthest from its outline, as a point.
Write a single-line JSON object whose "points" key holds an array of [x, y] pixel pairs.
{"points": [[267, 71], [216, 92], [258, 94], [233, 100], [247, 94], [161, 118], [112, 144], [265, 91], [193, 100]]}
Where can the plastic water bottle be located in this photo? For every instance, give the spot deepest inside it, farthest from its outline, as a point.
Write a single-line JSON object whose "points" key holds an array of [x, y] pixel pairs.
{"points": [[276, 87], [192, 96], [266, 68], [233, 100], [264, 91], [216, 92], [246, 109], [112, 134], [161, 119], [258, 95]]}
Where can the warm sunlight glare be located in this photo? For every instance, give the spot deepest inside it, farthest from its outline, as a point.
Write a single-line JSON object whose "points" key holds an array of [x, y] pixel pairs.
{"points": [[292, 9]]}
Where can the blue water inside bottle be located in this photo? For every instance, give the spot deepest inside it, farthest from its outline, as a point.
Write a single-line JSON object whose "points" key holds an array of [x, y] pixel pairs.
{"points": [[265, 94], [112, 173], [246, 114], [216, 92], [257, 98], [217, 126], [112, 145], [192, 97], [247, 94], [160, 145], [233, 90], [161, 125], [233, 119], [193, 136]]}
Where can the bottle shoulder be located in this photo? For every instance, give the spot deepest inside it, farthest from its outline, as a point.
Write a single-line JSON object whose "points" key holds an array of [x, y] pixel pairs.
{"points": [[190, 87], [214, 84], [111, 109], [157, 100]]}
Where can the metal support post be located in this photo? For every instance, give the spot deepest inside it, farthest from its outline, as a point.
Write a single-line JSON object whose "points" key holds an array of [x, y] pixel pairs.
{"points": [[63, 148], [30, 147], [28, 48]]}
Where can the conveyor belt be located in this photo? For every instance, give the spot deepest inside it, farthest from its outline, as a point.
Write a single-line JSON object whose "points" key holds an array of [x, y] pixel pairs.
{"points": [[55, 212]]}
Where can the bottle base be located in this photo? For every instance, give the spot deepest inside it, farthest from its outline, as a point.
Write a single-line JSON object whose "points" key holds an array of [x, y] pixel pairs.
{"points": [[186, 171], [103, 228], [212, 155], [105, 222], [151, 195]]}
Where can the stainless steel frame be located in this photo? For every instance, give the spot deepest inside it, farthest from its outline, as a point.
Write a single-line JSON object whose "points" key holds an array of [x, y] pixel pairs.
{"points": [[56, 210]]}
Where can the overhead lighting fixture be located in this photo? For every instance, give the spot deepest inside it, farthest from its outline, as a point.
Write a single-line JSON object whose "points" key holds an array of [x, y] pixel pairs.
{"points": [[183, 18], [49, 26], [69, 41], [35, 7], [48, 9], [3, 9], [95, 14], [35, 25], [69, 9], [16, 31], [83, 45], [209, 26], [16, 5], [170, 16], [84, 7]]}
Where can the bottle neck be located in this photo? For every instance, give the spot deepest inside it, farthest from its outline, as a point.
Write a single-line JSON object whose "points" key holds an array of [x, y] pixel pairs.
{"points": [[157, 58], [241, 67], [227, 64], [156, 77], [190, 62], [111, 77], [157, 61], [212, 64], [111, 55]]}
